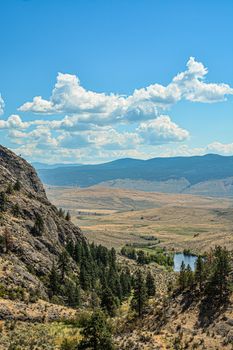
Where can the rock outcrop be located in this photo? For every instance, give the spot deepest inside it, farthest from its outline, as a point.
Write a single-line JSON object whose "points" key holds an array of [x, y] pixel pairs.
{"points": [[31, 227]]}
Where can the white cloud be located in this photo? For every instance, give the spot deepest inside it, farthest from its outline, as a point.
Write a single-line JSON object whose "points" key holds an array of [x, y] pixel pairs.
{"points": [[162, 130], [13, 122], [221, 148], [69, 97], [2, 105], [193, 88]]}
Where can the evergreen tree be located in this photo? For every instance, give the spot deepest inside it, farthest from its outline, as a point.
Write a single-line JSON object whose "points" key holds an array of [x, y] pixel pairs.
{"points": [[182, 276], [54, 281], [78, 252], [9, 189], [139, 296], [189, 276], [141, 257], [150, 284], [15, 210], [199, 272], [17, 186], [125, 280], [70, 248], [109, 302], [3, 201], [218, 284], [72, 293], [63, 263], [84, 276], [68, 216], [96, 333], [61, 213], [38, 227]]}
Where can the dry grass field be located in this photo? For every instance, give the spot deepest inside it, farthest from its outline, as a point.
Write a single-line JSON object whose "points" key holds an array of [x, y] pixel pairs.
{"points": [[114, 217]]}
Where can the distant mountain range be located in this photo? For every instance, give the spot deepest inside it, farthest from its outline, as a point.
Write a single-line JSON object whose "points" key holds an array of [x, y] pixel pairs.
{"points": [[39, 166], [210, 174]]}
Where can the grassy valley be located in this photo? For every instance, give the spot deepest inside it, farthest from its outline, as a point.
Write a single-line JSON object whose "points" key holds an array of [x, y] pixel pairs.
{"points": [[114, 217]]}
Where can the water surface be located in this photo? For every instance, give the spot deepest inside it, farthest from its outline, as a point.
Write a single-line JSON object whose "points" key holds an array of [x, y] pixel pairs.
{"points": [[186, 258]]}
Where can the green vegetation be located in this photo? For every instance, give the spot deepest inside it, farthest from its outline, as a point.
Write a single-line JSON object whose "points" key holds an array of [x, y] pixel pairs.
{"points": [[96, 333], [99, 272], [147, 254], [211, 276], [38, 227], [140, 296]]}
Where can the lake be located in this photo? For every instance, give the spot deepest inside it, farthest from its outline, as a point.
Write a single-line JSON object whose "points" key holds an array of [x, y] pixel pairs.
{"points": [[186, 258]]}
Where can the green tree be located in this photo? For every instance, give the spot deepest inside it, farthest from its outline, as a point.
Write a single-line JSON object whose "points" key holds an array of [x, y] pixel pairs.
{"points": [[141, 257], [63, 263], [68, 216], [3, 201], [125, 280], [150, 284], [109, 301], [72, 293], [199, 274], [139, 296], [182, 276], [17, 186], [54, 280], [218, 285], [15, 210], [38, 227], [96, 333], [9, 189], [189, 276]]}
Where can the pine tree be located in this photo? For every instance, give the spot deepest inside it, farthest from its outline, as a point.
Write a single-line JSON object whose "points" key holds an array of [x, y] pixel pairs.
{"points": [[125, 280], [9, 189], [84, 276], [63, 263], [139, 296], [15, 210], [78, 252], [189, 276], [72, 293], [182, 276], [96, 333], [3, 201], [54, 280], [109, 302], [199, 272], [218, 283], [150, 284], [17, 186], [38, 227], [68, 216], [70, 248]]}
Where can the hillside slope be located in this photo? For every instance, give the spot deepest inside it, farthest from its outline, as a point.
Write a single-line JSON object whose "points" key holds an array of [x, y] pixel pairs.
{"points": [[32, 234]]}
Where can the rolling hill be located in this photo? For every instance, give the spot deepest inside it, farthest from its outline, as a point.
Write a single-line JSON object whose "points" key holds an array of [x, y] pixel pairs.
{"points": [[210, 175]]}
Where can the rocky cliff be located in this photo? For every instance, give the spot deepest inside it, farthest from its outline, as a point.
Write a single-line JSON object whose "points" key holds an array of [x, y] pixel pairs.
{"points": [[32, 233]]}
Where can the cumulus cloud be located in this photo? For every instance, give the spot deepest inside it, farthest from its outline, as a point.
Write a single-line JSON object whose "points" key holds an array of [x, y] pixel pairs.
{"points": [[69, 97], [104, 126], [162, 130], [2, 105], [13, 122]]}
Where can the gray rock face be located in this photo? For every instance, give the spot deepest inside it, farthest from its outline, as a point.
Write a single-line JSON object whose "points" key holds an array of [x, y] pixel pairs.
{"points": [[31, 254]]}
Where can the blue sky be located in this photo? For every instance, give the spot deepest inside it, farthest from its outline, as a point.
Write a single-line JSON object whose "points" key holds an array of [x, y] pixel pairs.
{"points": [[120, 93]]}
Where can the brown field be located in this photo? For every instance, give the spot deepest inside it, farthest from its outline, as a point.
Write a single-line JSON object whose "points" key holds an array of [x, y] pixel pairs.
{"points": [[114, 217]]}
